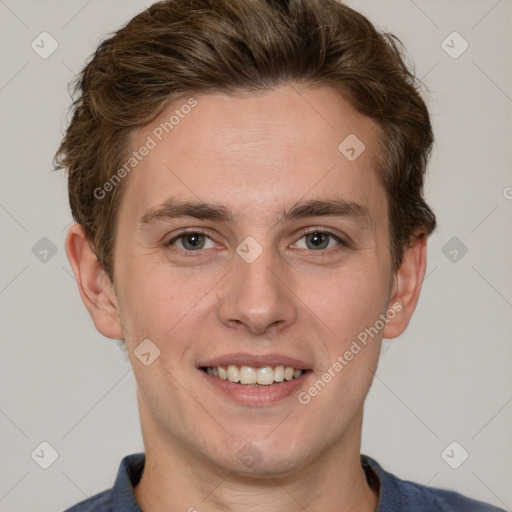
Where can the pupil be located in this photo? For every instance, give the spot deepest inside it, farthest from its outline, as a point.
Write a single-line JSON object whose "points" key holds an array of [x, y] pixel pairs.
{"points": [[193, 239], [317, 239]]}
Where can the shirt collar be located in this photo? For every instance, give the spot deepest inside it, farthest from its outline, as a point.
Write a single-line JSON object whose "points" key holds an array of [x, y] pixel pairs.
{"points": [[132, 466]]}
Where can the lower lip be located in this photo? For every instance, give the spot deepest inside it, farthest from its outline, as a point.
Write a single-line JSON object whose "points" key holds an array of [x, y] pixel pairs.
{"points": [[256, 395]]}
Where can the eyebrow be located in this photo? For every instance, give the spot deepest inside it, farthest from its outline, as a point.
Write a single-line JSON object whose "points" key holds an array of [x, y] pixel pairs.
{"points": [[174, 208]]}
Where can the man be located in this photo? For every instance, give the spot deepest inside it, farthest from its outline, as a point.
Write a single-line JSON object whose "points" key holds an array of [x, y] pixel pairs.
{"points": [[246, 179]]}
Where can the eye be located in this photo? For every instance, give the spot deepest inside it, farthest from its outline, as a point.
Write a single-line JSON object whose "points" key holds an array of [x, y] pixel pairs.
{"points": [[191, 241], [320, 239], [195, 241]]}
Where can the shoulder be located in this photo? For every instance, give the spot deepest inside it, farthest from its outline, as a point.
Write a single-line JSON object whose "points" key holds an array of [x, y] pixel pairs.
{"points": [[402, 495], [443, 500], [100, 502], [120, 497]]}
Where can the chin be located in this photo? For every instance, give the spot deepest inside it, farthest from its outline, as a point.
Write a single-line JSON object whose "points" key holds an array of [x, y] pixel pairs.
{"points": [[265, 458]]}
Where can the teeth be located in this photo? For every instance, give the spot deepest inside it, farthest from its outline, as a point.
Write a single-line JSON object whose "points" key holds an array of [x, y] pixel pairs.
{"points": [[279, 373], [247, 375], [264, 376], [233, 373]]}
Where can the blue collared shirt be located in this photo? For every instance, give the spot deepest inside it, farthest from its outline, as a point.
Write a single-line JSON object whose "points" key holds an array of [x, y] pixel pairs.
{"points": [[396, 495]]}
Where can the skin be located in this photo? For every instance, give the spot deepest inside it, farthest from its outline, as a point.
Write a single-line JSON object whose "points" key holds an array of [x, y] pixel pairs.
{"points": [[256, 154]]}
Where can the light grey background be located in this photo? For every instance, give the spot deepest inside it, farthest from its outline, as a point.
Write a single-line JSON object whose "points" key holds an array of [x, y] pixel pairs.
{"points": [[447, 379]]}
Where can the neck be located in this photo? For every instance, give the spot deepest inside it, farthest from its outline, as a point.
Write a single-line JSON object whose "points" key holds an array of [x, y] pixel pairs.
{"points": [[176, 478]]}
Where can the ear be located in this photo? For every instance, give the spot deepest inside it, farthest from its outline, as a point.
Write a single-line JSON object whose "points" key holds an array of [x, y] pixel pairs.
{"points": [[94, 284], [407, 286]]}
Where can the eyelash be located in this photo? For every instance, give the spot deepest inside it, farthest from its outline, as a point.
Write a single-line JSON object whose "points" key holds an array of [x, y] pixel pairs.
{"points": [[182, 234]]}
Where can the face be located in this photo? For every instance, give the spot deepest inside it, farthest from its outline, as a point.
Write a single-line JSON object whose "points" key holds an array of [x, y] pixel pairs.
{"points": [[248, 244]]}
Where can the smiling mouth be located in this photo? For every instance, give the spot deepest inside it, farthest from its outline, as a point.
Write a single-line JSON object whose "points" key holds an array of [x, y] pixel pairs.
{"points": [[250, 376]]}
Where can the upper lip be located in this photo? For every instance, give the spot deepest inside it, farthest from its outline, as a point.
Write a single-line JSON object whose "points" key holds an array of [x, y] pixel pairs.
{"points": [[255, 361]]}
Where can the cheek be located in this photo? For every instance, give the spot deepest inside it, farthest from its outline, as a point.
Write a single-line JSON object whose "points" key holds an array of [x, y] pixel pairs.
{"points": [[349, 302], [350, 306], [160, 304]]}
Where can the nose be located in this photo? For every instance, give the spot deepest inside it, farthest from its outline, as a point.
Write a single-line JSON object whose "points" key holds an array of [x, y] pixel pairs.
{"points": [[256, 296]]}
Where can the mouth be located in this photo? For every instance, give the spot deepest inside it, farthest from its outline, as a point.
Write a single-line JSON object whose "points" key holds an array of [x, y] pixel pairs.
{"points": [[253, 379], [252, 376]]}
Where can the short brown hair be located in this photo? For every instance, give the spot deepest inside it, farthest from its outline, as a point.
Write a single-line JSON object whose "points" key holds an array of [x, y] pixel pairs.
{"points": [[175, 48]]}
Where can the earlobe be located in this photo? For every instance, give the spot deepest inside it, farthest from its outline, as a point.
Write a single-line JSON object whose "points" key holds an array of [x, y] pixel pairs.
{"points": [[407, 286], [93, 283]]}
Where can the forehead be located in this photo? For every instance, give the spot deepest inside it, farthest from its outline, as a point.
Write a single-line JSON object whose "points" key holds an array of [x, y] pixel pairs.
{"points": [[257, 150]]}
